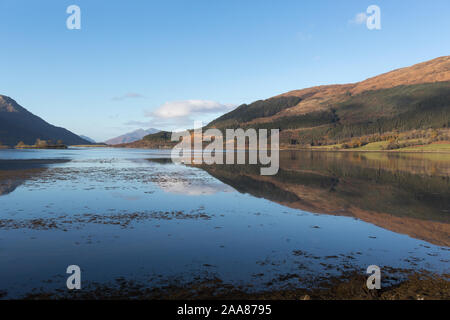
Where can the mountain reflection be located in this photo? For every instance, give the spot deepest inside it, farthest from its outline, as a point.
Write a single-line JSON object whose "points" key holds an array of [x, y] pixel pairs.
{"points": [[405, 193], [14, 173]]}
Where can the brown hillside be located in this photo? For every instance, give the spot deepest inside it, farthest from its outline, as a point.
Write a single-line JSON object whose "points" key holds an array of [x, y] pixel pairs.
{"points": [[321, 97], [435, 70]]}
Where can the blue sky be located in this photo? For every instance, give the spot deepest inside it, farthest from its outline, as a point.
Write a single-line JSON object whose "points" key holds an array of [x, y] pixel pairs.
{"points": [[164, 63]]}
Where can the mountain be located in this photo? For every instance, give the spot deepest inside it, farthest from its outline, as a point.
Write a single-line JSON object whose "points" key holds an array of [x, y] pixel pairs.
{"points": [[404, 108], [412, 98], [18, 124], [159, 140], [131, 136], [87, 139]]}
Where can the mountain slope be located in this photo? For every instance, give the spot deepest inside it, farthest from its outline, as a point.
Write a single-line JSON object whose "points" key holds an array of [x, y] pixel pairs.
{"points": [[87, 138], [18, 124], [416, 97], [131, 136]]}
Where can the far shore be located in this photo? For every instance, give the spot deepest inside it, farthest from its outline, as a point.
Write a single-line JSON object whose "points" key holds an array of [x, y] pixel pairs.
{"points": [[364, 151], [356, 150], [446, 149], [55, 147], [91, 146], [44, 147]]}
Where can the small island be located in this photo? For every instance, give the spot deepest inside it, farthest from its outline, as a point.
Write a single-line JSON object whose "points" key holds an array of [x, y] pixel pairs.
{"points": [[42, 144]]}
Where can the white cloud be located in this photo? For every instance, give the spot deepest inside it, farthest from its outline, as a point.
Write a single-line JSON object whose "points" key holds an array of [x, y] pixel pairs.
{"points": [[360, 18], [181, 115], [181, 109]]}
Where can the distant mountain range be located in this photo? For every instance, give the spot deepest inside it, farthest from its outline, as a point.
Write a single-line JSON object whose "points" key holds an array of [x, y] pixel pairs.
{"points": [[131, 136], [18, 124]]}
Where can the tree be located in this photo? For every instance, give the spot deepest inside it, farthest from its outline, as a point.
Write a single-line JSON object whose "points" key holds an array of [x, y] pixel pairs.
{"points": [[40, 143], [20, 144]]}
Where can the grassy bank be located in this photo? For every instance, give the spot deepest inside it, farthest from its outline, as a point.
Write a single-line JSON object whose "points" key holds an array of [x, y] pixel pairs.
{"points": [[381, 147]]}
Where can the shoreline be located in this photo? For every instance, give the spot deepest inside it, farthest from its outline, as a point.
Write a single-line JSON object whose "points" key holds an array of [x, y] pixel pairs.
{"points": [[32, 147], [351, 285], [281, 149], [304, 149], [380, 151]]}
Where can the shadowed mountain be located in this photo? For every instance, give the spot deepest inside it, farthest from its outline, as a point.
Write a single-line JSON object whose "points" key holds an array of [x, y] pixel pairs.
{"points": [[18, 124], [405, 194]]}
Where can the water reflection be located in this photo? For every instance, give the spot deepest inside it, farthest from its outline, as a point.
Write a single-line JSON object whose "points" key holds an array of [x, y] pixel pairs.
{"points": [[134, 214], [405, 193], [14, 173]]}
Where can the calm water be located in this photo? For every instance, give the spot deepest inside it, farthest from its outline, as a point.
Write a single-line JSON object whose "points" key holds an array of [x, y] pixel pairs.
{"points": [[134, 214]]}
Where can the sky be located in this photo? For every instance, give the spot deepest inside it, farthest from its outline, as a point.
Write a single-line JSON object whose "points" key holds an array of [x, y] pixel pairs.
{"points": [[163, 64]]}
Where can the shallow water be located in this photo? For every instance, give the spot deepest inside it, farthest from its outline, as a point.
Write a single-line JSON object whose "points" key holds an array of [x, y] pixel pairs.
{"points": [[124, 213]]}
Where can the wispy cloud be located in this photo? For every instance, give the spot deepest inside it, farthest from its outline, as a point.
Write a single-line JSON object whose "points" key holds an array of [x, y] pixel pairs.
{"points": [[129, 95], [139, 123], [359, 18], [303, 36]]}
